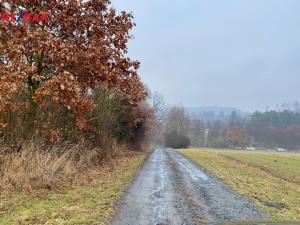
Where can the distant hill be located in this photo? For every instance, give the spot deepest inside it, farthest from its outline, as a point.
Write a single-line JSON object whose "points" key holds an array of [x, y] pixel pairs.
{"points": [[213, 113]]}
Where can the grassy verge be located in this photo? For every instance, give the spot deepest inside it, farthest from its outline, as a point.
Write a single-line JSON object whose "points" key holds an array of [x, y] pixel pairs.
{"points": [[271, 180], [86, 204]]}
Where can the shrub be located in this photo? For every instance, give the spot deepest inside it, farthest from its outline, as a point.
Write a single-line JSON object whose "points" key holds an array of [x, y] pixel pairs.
{"points": [[38, 151], [175, 140]]}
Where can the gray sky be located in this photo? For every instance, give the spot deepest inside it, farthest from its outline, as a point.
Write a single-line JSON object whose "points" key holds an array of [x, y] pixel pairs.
{"points": [[240, 53]]}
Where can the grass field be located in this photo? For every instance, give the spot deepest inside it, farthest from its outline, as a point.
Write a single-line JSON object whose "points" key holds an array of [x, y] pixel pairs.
{"points": [[270, 179], [92, 204]]}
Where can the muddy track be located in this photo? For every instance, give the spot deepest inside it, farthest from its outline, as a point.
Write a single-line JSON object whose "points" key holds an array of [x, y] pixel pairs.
{"points": [[172, 190]]}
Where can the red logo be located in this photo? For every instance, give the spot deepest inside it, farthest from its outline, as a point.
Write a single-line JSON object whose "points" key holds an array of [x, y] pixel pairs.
{"points": [[24, 17]]}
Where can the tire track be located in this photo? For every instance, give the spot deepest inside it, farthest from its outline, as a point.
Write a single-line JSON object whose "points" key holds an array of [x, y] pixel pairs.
{"points": [[172, 190]]}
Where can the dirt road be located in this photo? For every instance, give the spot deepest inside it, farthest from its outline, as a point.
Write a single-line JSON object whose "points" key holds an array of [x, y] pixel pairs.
{"points": [[172, 190]]}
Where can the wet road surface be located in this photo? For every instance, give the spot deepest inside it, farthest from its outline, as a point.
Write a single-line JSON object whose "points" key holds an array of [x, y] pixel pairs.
{"points": [[172, 190]]}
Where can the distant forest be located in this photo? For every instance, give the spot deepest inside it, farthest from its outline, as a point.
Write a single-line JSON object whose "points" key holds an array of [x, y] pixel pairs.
{"points": [[273, 129]]}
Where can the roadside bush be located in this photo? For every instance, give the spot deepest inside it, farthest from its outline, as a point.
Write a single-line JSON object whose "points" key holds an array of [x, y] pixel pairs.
{"points": [[113, 119], [175, 140], [42, 151]]}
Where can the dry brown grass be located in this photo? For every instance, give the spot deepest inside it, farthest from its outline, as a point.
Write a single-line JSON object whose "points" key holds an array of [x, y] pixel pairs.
{"points": [[90, 198], [53, 168]]}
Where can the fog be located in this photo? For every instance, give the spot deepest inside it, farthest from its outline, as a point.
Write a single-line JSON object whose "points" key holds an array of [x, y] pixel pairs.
{"points": [[238, 53]]}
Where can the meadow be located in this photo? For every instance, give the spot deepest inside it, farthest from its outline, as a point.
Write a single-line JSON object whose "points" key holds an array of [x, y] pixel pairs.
{"points": [[270, 179]]}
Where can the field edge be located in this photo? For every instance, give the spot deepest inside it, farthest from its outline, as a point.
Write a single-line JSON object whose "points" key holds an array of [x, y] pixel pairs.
{"points": [[271, 194]]}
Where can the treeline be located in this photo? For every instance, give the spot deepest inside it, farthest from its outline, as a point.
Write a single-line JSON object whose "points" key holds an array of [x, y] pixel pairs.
{"points": [[270, 129], [70, 97], [275, 129]]}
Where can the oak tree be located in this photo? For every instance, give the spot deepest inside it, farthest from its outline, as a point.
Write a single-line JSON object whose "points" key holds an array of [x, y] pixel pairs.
{"points": [[82, 45]]}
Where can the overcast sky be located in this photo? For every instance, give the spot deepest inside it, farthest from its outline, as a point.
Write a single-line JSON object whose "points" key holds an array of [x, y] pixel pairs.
{"points": [[240, 53]]}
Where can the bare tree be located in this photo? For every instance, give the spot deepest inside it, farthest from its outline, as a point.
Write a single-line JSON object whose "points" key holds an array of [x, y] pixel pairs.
{"points": [[197, 133], [177, 120], [159, 106]]}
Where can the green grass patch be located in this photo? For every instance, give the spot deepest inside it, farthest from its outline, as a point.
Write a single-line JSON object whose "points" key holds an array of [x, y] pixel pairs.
{"points": [[270, 180], [282, 165], [91, 204]]}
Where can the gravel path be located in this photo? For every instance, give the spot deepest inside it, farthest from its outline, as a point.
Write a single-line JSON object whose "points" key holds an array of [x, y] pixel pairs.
{"points": [[172, 190]]}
